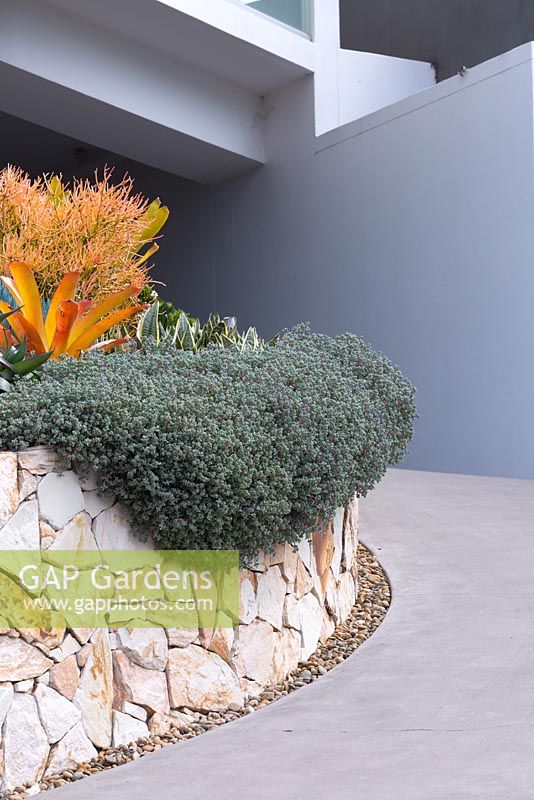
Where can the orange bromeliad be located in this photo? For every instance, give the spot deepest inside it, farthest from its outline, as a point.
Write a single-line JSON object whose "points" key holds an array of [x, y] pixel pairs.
{"points": [[70, 326]]}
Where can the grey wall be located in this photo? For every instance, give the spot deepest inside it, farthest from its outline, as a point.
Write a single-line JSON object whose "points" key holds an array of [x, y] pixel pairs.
{"points": [[185, 260], [414, 229], [450, 33]]}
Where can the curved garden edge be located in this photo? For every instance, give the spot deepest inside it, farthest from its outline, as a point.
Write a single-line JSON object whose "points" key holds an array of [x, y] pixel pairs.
{"points": [[67, 695], [367, 614]]}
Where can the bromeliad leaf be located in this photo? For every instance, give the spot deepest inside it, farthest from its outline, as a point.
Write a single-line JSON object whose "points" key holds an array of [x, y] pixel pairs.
{"points": [[17, 365], [30, 364], [67, 326]]}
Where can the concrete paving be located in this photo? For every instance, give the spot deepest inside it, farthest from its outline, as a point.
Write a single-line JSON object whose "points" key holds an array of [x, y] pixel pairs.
{"points": [[437, 705]]}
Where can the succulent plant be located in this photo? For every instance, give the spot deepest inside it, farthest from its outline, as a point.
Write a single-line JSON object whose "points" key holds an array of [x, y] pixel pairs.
{"points": [[187, 333], [15, 361], [64, 326]]}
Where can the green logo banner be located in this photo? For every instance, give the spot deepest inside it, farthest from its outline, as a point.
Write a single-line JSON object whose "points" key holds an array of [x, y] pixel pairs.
{"points": [[119, 588]]}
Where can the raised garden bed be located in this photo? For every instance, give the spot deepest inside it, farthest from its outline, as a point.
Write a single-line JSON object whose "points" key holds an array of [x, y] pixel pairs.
{"points": [[66, 693]]}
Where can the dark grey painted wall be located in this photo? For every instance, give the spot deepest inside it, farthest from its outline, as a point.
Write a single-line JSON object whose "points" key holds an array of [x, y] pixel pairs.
{"points": [[415, 232], [185, 260], [450, 33]]}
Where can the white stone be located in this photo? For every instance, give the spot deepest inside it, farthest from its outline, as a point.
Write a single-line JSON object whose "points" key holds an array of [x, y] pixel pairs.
{"points": [[286, 654], [348, 542], [160, 724], [40, 460], [82, 655], [33, 790], [258, 563], [351, 538], [83, 634], [69, 646], [291, 616], [201, 680], [23, 686], [20, 661], [6, 698], [303, 580], [304, 550], [9, 490], [58, 715], [328, 627], [346, 595], [181, 717], [135, 684], [27, 484], [44, 638], [181, 637], [47, 534], [311, 622], [60, 498], [65, 677], [276, 556], [22, 530], [221, 642], [146, 647], [76, 535], [250, 690], [332, 600], [338, 542], [113, 532], [95, 502], [89, 481], [75, 748], [248, 607], [289, 564], [253, 653], [270, 596], [95, 695], [25, 743], [135, 711], [127, 729], [46, 541]]}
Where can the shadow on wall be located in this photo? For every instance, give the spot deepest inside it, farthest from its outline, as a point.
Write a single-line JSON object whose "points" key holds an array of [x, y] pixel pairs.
{"points": [[184, 262], [449, 33]]}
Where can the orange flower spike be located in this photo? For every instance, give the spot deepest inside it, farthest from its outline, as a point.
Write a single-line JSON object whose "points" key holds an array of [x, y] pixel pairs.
{"points": [[66, 290], [66, 315], [26, 287]]}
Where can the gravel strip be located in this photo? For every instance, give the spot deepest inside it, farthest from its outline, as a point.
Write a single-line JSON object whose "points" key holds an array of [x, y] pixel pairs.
{"points": [[371, 605]]}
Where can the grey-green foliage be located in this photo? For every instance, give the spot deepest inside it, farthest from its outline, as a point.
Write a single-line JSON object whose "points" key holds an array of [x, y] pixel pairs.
{"points": [[221, 449]]}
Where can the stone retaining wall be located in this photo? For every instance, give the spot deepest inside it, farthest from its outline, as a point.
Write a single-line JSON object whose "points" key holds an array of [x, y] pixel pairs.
{"points": [[65, 693]]}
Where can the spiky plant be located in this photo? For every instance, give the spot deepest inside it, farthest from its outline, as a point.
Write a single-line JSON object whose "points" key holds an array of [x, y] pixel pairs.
{"points": [[16, 362], [186, 332], [69, 326], [100, 228]]}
